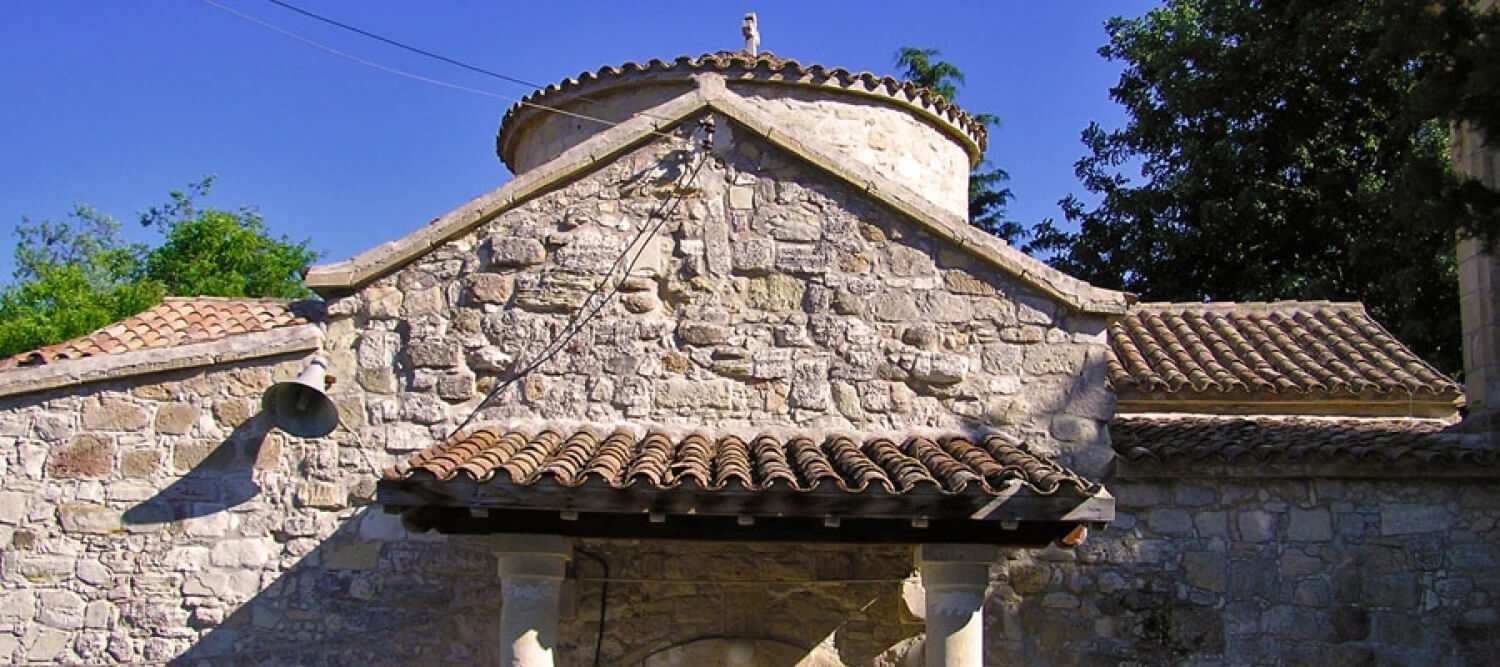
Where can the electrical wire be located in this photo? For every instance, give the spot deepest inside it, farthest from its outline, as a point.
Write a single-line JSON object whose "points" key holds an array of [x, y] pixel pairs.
{"points": [[603, 599], [403, 73], [575, 323], [420, 51]]}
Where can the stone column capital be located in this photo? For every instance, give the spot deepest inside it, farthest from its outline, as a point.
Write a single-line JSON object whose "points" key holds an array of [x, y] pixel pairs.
{"points": [[954, 579], [532, 556]]}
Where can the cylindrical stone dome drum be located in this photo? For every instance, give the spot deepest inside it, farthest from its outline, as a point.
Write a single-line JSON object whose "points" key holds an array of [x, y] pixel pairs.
{"points": [[902, 131]]}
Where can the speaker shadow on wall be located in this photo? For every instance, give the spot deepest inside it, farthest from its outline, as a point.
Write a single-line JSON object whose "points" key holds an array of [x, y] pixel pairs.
{"points": [[223, 479]]}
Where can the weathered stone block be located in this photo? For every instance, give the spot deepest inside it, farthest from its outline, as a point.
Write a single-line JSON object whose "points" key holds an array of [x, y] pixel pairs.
{"points": [[322, 495], [905, 261], [960, 281], [741, 198], [1256, 526], [13, 506], [88, 519], [175, 418], [772, 364], [489, 358], [383, 303], [434, 354], [1170, 521], [1053, 359], [801, 258], [776, 293], [789, 228], [87, 455], [640, 302], [233, 412], [490, 287], [1205, 570], [1411, 518], [419, 302], [555, 292], [1314, 525], [945, 307], [516, 251], [245, 553], [678, 393], [894, 306], [455, 386], [61, 609], [754, 256], [939, 368], [810, 385], [702, 333], [113, 414], [140, 462]]}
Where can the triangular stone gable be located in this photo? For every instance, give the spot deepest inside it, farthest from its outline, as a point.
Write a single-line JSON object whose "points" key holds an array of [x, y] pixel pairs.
{"points": [[590, 155], [776, 296]]}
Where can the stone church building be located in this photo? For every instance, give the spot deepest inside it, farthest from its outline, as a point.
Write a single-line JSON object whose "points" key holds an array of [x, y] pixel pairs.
{"points": [[728, 379]]}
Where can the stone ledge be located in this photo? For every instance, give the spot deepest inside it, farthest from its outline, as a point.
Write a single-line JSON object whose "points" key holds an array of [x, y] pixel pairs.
{"points": [[73, 372]]}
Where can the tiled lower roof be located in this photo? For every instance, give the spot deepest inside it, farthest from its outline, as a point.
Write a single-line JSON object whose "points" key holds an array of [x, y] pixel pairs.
{"points": [[620, 459], [177, 321], [1289, 439], [1288, 350]]}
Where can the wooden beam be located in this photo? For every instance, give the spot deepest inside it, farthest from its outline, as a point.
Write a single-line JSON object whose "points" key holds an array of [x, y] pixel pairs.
{"points": [[459, 521]]}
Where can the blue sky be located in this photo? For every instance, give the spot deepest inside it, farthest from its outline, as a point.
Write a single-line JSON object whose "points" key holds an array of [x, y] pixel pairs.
{"points": [[115, 104]]}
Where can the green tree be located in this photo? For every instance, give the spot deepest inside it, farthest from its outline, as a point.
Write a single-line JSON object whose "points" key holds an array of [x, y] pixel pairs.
{"points": [[987, 196], [71, 277], [78, 275], [1286, 150], [211, 252]]}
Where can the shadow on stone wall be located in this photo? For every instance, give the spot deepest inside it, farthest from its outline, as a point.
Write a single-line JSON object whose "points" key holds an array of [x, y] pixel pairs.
{"points": [[366, 594], [370, 593], [223, 479]]}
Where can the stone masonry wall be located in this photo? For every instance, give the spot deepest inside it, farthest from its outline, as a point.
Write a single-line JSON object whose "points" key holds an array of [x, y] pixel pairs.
{"points": [[162, 517], [773, 297], [158, 520], [1264, 571]]}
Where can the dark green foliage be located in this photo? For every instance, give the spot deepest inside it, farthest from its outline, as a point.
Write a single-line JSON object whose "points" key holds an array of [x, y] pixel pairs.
{"points": [[78, 275], [987, 197], [71, 277], [221, 253], [1286, 150]]}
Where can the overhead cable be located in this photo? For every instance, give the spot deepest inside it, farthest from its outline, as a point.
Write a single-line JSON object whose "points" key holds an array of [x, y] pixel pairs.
{"points": [[419, 51], [402, 73], [580, 319]]}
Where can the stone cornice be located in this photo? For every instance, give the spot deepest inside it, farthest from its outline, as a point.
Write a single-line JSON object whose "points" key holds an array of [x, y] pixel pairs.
{"points": [[711, 94], [74, 372]]}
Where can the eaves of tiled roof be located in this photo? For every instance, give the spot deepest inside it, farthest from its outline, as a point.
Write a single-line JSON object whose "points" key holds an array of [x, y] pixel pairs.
{"points": [[1261, 442], [1291, 357], [175, 322], [948, 488]]}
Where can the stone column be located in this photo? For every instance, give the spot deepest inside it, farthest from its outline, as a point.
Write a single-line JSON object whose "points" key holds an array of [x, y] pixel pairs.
{"points": [[532, 568], [954, 578], [1479, 282]]}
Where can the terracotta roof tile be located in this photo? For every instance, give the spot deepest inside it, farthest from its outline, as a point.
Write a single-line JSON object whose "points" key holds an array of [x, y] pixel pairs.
{"points": [[571, 458], [177, 321], [1285, 349], [1289, 439]]}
